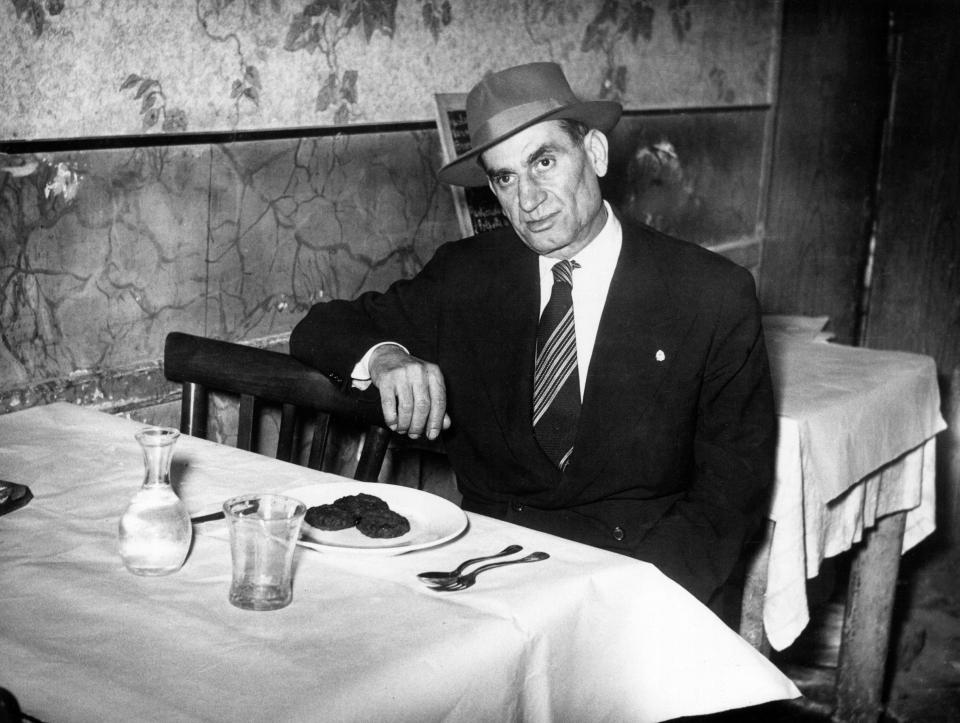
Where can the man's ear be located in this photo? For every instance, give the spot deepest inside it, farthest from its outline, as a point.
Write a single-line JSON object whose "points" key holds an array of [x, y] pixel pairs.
{"points": [[596, 145]]}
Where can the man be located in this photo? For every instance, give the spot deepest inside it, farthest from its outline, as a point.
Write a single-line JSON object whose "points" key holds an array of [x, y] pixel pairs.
{"points": [[634, 413]]}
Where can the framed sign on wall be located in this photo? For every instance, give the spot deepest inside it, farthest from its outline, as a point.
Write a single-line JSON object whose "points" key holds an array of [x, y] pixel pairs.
{"points": [[477, 208]]}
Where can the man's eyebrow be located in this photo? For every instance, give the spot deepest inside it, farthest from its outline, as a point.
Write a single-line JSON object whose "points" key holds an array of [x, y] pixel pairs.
{"points": [[541, 151], [532, 158]]}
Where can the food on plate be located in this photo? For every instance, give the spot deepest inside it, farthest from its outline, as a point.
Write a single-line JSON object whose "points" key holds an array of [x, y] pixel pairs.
{"points": [[330, 517], [383, 523], [361, 503], [370, 514]]}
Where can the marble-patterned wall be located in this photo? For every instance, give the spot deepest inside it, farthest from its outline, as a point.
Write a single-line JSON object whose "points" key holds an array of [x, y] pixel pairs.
{"points": [[113, 67], [234, 241]]}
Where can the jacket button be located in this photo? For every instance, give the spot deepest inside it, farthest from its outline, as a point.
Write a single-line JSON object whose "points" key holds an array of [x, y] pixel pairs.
{"points": [[617, 533], [517, 506]]}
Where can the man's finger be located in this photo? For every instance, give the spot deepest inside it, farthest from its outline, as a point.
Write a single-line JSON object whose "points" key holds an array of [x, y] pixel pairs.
{"points": [[438, 406], [422, 384], [388, 403], [404, 396]]}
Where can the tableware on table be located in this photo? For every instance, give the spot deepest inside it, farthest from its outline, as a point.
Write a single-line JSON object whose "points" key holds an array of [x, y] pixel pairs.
{"points": [[155, 531], [263, 533], [13, 496], [433, 519], [464, 581], [436, 578], [200, 519]]}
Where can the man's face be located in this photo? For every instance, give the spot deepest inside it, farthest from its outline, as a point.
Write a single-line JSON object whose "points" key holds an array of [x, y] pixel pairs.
{"points": [[548, 187]]}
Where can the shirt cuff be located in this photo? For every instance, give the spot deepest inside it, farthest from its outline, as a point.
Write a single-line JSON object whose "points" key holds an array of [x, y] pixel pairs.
{"points": [[360, 375]]}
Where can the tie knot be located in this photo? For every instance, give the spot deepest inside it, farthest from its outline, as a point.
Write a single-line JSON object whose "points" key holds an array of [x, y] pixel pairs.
{"points": [[563, 271]]}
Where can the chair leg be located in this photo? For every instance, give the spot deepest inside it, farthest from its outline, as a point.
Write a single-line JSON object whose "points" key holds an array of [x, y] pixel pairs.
{"points": [[193, 410]]}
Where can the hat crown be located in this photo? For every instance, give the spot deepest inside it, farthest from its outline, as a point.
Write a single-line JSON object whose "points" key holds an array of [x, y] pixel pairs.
{"points": [[523, 92]]}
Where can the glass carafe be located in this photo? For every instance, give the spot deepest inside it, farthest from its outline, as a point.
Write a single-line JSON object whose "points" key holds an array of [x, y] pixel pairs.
{"points": [[155, 530]]}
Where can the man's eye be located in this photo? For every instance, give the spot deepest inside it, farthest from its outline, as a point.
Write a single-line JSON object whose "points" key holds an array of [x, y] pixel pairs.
{"points": [[502, 180], [545, 162]]}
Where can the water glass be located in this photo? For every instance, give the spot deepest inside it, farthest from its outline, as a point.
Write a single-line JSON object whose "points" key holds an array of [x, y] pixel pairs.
{"points": [[263, 534]]}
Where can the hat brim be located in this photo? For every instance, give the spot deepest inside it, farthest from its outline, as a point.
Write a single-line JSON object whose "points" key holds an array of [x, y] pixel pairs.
{"points": [[466, 170]]}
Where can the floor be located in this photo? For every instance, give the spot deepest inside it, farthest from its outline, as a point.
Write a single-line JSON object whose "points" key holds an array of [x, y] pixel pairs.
{"points": [[926, 662], [924, 666]]}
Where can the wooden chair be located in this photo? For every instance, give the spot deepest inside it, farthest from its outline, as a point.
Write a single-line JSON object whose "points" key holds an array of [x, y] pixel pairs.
{"points": [[262, 377]]}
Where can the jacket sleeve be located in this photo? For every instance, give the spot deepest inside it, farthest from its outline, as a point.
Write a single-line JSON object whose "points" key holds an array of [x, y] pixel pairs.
{"points": [[334, 335], [701, 536]]}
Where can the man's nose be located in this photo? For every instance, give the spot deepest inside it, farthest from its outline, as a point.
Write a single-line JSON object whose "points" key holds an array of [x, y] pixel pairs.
{"points": [[530, 194]]}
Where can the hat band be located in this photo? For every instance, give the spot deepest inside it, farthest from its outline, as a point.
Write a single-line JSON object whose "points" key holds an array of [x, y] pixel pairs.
{"points": [[509, 120]]}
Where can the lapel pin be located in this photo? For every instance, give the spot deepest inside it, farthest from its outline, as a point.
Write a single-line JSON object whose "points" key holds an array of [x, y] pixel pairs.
{"points": [[660, 355]]}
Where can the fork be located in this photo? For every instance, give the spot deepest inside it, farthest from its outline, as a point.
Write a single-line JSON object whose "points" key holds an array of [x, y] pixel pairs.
{"points": [[462, 582], [439, 578]]}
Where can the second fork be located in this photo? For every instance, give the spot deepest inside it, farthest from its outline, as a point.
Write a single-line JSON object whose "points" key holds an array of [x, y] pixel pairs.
{"points": [[464, 581]]}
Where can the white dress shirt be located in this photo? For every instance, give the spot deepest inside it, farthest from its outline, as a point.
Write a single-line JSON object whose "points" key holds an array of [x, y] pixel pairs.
{"points": [[591, 281]]}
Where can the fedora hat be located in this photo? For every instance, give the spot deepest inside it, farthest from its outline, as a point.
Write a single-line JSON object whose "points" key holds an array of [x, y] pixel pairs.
{"points": [[511, 100]]}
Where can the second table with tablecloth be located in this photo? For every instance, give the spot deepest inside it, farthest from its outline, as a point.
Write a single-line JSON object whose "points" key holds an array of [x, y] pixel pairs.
{"points": [[856, 443]]}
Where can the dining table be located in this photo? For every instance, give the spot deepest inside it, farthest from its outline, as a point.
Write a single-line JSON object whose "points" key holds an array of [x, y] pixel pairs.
{"points": [[586, 634], [855, 473], [856, 443]]}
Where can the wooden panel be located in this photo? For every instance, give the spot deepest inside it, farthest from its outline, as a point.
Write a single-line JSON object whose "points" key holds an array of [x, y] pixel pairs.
{"points": [[915, 304], [915, 301], [948, 461], [831, 101]]}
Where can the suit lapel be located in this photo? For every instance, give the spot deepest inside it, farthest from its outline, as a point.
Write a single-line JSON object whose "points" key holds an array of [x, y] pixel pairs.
{"points": [[636, 344]]}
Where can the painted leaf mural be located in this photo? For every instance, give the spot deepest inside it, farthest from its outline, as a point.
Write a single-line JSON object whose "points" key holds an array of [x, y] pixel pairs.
{"points": [[227, 65]]}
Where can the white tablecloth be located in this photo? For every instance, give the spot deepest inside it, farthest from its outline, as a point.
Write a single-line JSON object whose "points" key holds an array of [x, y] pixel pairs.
{"points": [[585, 635], [856, 442]]}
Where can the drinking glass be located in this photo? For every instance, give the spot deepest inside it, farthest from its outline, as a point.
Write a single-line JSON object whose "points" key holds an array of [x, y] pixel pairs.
{"points": [[263, 534]]}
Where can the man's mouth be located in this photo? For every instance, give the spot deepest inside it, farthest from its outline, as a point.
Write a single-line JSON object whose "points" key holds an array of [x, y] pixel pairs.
{"points": [[540, 224]]}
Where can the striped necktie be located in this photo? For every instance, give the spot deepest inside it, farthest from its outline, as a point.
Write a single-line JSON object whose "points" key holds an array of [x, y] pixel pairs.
{"points": [[556, 384]]}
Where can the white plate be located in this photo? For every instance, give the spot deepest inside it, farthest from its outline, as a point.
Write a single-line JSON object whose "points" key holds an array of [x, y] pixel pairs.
{"points": [[433, 520]]}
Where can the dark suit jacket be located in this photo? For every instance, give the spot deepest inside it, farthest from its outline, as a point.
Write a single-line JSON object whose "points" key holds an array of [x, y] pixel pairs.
{"points": [[675, 442]]}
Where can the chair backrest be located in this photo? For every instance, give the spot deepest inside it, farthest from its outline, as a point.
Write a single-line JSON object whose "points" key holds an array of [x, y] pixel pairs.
{"points": [[261, 376]]}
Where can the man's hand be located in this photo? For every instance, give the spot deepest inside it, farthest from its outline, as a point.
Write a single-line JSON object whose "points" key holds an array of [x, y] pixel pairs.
{"points": [[412, 392]]}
